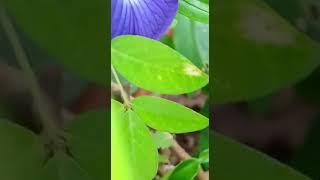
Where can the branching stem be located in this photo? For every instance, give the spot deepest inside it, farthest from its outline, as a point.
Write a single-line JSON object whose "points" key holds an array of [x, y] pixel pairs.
{"points": [[42, 107]]}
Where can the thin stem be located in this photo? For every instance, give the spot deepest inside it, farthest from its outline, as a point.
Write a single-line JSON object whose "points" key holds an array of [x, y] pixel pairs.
{"points": [[123, 93], [39, 99]]}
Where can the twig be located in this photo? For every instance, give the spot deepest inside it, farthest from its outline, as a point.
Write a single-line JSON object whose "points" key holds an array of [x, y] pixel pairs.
{"points": [[123, 93], [46, 116]]}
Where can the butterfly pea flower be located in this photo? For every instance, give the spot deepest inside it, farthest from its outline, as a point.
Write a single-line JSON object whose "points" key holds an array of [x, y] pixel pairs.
{"points": [[149, 18]]}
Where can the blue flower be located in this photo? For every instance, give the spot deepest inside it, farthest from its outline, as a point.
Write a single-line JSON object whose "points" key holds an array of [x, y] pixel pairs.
{"points": [[149, 18]]}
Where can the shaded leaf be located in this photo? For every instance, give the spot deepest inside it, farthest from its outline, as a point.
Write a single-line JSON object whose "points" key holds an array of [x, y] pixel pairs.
{"points": [[256, 51], [233, 160], [66, 30], [21, 153], [195, 10], [87, 142], [62, 167]]}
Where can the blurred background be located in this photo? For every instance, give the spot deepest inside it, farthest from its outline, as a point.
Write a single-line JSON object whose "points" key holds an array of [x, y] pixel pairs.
{"points": [[284, 124], [68, 93]]}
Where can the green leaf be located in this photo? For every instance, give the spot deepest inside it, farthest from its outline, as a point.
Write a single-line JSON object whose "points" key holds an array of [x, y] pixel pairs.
{"points": [[154, 66], [186, 170], [191, 39], [256, 51], [201, 34], [63, 167], [195, 10], [235, 161], [203, 142], [21, 153], [87, 143], [168, 116], [23, 158], [72, 31], [163, 140], [133, 152], [204, 156]]}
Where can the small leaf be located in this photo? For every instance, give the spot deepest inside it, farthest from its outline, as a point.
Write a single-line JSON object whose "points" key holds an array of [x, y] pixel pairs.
{"points": [[203, 142], [133, 152], [195, 10], [233, 160], [204, 156], [163, 140], [168, 116], [186, 170], [154, 66], [87, 143]]}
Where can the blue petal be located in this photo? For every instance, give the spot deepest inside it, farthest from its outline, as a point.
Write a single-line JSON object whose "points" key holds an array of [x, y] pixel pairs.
{"points": [[149, 18]]}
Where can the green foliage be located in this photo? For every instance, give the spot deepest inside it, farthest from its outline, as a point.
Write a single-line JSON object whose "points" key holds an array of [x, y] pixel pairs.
{"points": [[24, 157], [204, 156], [20, 153], [168, 116], [133, 152], [236, 161], [162, 140], [186, 170], [87, 143], [155, 67], [70, 34], [193, 43], [195, 10], [66, 31], [151, 65], [63, 167], [267, 52]]}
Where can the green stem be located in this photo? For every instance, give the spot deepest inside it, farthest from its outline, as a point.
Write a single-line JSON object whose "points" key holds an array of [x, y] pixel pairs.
{"points": [[40, 103], [123, 93]]}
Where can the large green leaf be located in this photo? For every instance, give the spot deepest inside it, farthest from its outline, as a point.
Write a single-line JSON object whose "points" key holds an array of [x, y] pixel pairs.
{"points": [[73, 31], [21, 154], [133, 152], [232, 160], [168, 116], [256, 51], [154, 66], [87, 141]]}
